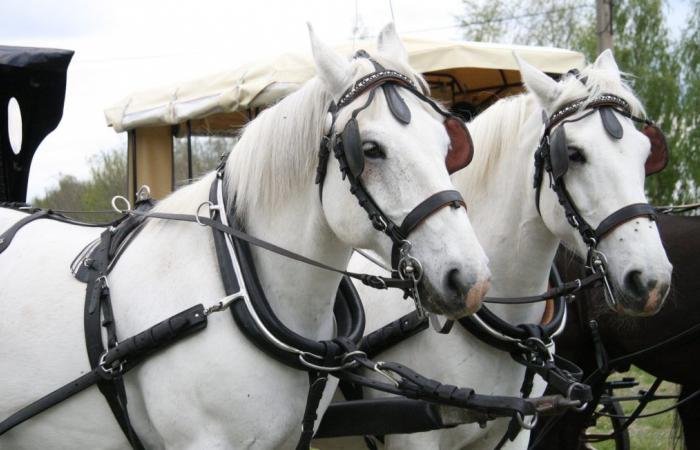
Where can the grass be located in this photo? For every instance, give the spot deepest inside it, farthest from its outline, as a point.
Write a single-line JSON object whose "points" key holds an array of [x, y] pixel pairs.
{"points": [[653, 433]]}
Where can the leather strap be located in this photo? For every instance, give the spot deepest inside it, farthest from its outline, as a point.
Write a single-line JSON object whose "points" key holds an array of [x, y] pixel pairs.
{"points": [[623, 215], [98, 314], [124, 356], [9, 234], [430, 206]]}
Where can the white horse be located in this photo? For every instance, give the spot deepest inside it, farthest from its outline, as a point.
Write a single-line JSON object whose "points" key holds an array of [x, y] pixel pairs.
{"points": [[215, 389], [604, 175]]}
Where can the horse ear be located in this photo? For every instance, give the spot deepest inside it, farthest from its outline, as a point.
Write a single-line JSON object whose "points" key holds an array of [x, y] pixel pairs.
{"points": [[606, 61], [390, 46], [539, 83], [334, 70]]}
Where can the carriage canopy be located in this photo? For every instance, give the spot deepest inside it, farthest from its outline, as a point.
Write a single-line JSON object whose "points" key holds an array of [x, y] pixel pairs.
{"points": [[466, 75]]}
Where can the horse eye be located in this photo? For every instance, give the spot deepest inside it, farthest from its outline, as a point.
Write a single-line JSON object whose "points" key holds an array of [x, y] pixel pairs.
{"points": [[373, 150], [576, 155]]}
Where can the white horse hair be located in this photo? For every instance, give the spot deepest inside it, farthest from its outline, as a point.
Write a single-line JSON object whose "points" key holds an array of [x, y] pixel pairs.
{"points": [[215, 389], [521, 244]]}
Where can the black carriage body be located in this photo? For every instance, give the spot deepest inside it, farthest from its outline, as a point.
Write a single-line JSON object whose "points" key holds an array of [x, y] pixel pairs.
{"points": [[36, 78]]}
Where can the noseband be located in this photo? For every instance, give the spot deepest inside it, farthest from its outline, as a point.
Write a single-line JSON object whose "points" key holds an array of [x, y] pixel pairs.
{"points": [[346, 146], [552, 156]]}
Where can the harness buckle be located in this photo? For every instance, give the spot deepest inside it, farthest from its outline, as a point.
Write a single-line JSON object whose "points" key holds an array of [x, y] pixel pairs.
{"points": [[598, 263], [573, 221], [114, 369]]}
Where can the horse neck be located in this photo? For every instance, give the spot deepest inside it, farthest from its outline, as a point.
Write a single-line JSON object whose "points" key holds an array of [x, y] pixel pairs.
{"points": [[498, 186], [300, 295]]}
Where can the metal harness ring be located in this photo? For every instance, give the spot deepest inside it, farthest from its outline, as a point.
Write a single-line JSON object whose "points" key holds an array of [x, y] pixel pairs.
{"points": [[123, 199]]}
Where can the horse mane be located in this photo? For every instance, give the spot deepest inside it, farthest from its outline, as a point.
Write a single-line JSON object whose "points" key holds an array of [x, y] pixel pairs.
{"points": [[500, 124]]}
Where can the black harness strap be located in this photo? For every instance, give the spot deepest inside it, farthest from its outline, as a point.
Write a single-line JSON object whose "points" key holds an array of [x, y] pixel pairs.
{"points": [[9, 234], [98, 314], [624, 215], [118, 360]]}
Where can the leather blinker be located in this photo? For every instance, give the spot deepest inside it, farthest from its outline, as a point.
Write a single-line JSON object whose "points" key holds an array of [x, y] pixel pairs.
{"points": [[559, 156], [461, 150], [352, 148], [397, 105], [610, 122], [658, 157]]}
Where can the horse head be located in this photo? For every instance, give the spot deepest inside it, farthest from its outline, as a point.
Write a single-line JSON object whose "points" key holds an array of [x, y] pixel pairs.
{"points": [[596, 159], [389, 149]]}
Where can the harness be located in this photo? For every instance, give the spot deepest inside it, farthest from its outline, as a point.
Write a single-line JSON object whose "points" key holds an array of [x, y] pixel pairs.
{"points": [[552, 157], [346, 146], [251, 310], [528, 344]]}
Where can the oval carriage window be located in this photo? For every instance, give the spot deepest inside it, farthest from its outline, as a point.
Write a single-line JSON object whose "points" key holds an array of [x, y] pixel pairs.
{"points": [[14, 125]]}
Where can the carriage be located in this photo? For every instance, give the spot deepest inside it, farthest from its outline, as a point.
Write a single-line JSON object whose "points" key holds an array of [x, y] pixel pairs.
{"points": [[469, 77]]}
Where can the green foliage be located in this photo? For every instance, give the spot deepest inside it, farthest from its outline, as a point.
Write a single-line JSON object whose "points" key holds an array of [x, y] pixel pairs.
{"points": [[531, 22], [663, 72], [108, 178]]}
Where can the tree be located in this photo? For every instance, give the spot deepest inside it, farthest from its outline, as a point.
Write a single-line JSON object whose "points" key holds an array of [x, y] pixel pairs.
{"points": [[108, 178], [664, 73]]}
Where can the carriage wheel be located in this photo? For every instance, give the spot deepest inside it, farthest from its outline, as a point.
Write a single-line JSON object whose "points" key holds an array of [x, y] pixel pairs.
{"points": [[620, 436]]}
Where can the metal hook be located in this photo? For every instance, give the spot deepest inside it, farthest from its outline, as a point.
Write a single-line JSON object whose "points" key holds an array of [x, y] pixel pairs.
{"points": [[144, 193], [385, 374], [527, 426]]}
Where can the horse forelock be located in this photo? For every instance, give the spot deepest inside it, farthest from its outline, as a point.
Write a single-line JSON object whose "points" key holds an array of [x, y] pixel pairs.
{"points": [[598, 81]]}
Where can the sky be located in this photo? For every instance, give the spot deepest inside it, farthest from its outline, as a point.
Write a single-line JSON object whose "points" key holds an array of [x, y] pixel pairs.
{"points": [[133, 45]]}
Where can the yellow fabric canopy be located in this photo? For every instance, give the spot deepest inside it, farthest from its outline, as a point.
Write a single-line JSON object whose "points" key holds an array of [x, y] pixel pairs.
{"points": [[457, 71]]}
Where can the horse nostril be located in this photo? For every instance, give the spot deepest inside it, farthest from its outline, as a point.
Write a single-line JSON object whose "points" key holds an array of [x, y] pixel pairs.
{"points": [[455, 283], [634, 283]]}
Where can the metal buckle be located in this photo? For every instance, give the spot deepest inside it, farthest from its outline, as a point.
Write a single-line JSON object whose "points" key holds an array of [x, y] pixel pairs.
{"points": [[537, 347], [598, 264], [111, 370], [581, 407]]}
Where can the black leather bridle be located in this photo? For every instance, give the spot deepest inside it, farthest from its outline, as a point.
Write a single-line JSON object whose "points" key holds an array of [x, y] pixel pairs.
{"points": [[545, 161], [346, 147]]}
